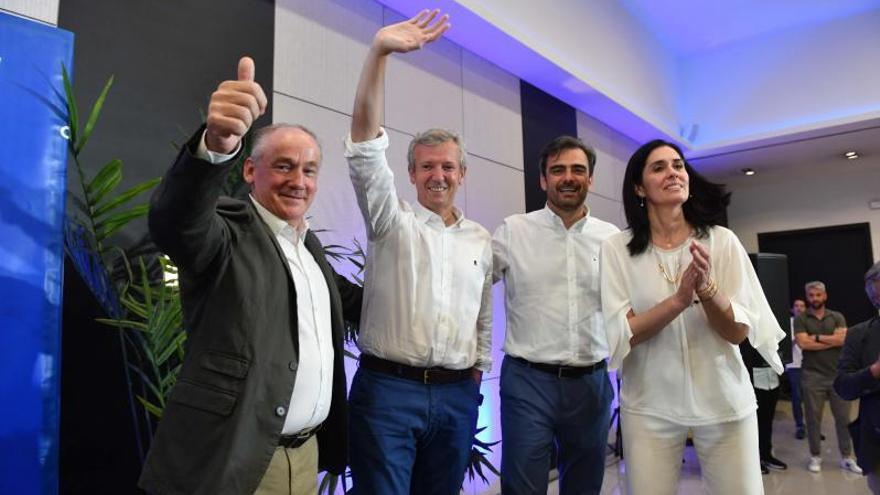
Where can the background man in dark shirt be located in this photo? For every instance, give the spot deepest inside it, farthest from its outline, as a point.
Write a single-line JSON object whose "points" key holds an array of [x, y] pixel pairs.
{"points": [[858, 377], [820, 332]]}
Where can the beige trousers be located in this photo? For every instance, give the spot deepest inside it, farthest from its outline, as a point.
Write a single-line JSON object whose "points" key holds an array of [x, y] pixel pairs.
{"points": [[727, 452], [292, 471]]}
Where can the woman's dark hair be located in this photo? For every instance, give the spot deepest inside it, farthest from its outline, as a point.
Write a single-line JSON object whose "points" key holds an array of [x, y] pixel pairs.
{"points": [[706, 207]]}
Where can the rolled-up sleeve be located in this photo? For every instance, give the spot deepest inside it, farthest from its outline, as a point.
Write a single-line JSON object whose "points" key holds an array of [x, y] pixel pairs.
{"points": [[373, 184]]}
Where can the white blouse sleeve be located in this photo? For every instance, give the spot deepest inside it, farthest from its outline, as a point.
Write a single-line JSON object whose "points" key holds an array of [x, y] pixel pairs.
{"points": [[614, 271], [737, 280]]}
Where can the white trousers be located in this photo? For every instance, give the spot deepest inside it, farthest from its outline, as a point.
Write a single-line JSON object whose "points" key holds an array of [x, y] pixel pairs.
{"points": [[728, 454]]}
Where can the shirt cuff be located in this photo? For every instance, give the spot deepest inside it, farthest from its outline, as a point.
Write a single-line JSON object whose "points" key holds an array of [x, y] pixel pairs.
{"points": [[203, 153], [366, 148]]}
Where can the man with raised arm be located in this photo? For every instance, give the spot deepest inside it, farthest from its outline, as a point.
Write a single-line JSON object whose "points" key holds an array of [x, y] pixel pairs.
{"points": [[259, 403], [425, 331]]}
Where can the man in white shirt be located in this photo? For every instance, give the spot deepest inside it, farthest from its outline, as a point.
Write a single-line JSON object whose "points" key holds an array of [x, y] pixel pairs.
{"points": [[554, 384], [793, 370], [259, 403], [426, 326]]}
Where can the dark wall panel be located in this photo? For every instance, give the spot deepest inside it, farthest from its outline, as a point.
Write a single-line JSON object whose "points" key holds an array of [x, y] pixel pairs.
{"points": [[167, 57], [543, 118]]}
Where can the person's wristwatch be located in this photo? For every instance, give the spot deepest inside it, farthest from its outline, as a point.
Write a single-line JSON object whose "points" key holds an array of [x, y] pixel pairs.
{"points": [[817, 338]]}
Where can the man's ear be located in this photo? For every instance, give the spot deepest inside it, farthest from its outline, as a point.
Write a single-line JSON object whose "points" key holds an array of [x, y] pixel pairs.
{"points": [[247, 170]]}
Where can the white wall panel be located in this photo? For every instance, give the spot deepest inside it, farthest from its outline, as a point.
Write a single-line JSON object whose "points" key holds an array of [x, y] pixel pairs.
{"points": [[493, 192], [492, 116], [612, 152], [423, 88], [335, 207], [819, 197], [41, 10], [320, 47], [607, 210]]}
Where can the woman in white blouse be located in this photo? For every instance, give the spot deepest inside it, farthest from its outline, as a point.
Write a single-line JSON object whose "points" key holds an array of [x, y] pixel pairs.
{"points": [[679, 294]]}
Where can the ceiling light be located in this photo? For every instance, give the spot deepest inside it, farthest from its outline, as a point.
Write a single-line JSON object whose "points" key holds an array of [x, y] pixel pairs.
{"points": [[748, 171], [851, 155]]}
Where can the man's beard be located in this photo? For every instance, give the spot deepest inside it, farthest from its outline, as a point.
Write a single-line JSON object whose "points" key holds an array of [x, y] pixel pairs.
{"points": [[815, 306]]}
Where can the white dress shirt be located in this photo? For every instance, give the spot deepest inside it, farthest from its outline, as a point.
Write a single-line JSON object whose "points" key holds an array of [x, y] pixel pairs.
{"points": [[797, 355], [313, 387], [687, 373], [551, 281], [427, 286]]}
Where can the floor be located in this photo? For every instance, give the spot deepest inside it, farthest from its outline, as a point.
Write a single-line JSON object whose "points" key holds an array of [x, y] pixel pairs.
{"points": [[794, 481]]}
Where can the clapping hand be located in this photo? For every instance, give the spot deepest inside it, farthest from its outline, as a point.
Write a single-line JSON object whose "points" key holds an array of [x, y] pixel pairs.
{"points": [[702, 262], [233, 108], [411, 34]]}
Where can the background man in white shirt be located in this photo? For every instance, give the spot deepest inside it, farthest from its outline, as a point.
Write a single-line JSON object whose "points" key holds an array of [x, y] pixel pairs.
{"points": [[793, 370], [427, 317], [554, 384], [263, 309]]}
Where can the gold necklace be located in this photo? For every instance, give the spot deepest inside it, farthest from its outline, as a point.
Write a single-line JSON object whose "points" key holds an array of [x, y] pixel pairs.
{"points": [[672, 279]]}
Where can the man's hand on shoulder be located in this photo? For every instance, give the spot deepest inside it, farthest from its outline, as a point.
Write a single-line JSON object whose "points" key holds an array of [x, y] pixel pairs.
{"points": [[233, 108]]}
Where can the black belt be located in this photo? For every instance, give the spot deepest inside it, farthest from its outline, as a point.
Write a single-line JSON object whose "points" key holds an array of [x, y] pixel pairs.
{"points": [[561, 371], [427, 376], [297, 439]]}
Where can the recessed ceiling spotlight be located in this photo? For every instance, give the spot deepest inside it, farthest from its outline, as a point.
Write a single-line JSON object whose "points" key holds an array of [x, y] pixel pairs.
{"points": [[851, 155], [748, 171]]}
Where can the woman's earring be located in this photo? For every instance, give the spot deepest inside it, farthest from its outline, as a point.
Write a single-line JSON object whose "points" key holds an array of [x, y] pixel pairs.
{"points": [[642, 201]]}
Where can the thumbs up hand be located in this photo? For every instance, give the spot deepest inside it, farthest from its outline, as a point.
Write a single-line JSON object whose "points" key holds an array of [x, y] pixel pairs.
{"points": [[233, 108]]}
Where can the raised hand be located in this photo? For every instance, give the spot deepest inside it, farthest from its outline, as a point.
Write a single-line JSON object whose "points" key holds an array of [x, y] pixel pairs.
{"points": [[411, 34], [233, 108]]}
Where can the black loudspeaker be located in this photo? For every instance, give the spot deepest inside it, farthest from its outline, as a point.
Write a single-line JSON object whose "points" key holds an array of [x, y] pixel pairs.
{"points": [[772, 270]]}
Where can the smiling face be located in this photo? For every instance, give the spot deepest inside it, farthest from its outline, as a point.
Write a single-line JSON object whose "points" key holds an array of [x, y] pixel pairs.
{"points": [[665, 180], [284, 175], [567, 180], [437, 173]]}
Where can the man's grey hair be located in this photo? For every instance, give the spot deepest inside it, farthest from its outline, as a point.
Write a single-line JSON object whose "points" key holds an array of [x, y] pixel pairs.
{"points": [[873, 273], [260, 135], [815, 284], [433, 137]]}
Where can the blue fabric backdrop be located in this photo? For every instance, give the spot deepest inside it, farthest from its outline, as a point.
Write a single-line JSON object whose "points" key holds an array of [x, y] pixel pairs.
{"points": [[33, 158]]}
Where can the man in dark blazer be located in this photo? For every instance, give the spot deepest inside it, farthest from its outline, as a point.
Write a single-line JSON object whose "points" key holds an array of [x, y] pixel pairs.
{"points": [[858, 377], [260, 401]]}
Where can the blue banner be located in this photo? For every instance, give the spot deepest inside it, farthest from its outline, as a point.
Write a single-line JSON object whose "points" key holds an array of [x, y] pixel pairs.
{"points": [[33, 160]]}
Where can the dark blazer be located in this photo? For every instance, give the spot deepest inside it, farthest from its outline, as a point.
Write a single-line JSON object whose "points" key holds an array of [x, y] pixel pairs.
{"points": [[224, 417], [854, 381]]}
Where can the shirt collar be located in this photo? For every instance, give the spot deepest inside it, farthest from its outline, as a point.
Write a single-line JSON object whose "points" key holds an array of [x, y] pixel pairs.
{"points": [[555, 221], [278, 226], [425, 215]]}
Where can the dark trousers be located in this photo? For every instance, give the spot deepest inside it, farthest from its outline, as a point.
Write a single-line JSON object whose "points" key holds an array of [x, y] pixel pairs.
{"points": [[797, 407], [408, 437], [538, 409], [766, 410]]}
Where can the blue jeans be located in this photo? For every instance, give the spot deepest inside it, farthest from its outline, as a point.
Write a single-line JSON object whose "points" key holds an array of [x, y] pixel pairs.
{"points": [[407, 437], [797, 410], [538, 408]]}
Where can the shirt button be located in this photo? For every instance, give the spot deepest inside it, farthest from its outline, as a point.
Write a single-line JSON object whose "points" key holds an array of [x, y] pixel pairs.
{"points": [[292, 366], [280, 411]]}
